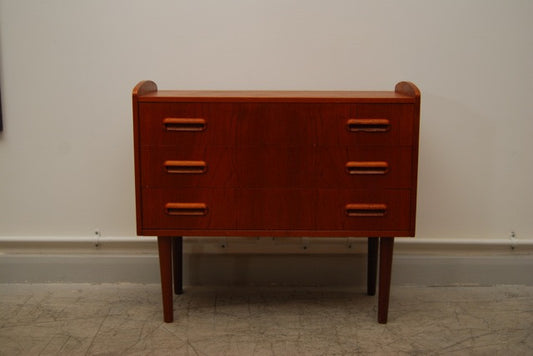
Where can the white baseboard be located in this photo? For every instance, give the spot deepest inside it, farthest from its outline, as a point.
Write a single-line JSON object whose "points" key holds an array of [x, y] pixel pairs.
{"points": [[237, 261], [262, 245]]}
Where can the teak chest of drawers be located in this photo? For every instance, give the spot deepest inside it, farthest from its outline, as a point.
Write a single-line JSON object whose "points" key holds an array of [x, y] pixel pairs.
{"points": [[276, 163]]}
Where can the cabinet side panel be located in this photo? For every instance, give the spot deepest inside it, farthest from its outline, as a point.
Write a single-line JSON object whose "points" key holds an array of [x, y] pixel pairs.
{"points": [[137, 162], [414, 175]]}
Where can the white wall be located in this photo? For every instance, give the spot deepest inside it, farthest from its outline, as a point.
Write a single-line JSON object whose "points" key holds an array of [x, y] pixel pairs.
{"points": [[68, 67]]}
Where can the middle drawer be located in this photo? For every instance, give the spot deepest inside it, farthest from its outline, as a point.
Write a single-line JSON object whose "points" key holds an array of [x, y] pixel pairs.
{"points": [[358, 167]]}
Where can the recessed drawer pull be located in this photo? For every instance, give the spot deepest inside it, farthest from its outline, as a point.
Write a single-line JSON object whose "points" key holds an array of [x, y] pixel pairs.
{"points": [[355, 167], [368, 125], [185, 167], [365, 210], [184, 124], [186, 209]]}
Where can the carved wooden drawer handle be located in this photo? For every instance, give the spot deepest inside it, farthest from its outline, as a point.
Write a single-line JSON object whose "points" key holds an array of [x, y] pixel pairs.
{"points": [[366, 210], [185, 167], [364, 167], [368, 125], [184, 124], [186, 209]]}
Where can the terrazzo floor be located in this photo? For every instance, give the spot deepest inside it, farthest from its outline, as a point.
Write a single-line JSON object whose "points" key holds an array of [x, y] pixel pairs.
{"points": [[126, 319]]}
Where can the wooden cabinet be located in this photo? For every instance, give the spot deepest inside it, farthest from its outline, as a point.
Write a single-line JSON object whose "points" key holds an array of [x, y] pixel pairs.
{"points": [[276, 163]]}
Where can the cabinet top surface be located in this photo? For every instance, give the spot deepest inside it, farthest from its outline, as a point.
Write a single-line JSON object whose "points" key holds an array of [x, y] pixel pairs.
{"points": [[270, 96]]}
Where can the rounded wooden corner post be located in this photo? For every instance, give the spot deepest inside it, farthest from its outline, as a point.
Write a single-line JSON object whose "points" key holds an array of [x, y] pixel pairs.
{"points": [[143, 87], [407, 88]]}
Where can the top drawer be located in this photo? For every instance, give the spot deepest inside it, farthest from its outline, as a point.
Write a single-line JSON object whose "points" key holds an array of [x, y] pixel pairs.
{"points": [[286, 124], [171, 124], [368, 124]]}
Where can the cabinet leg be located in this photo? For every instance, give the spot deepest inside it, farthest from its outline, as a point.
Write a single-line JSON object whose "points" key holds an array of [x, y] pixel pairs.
{"points": [[385, 268], [177, 263], [164, 244], [372, 265]]}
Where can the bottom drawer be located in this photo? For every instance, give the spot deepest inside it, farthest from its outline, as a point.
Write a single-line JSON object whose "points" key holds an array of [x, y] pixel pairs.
{"points": [[188, 209], [363, 210], [276, 209]]}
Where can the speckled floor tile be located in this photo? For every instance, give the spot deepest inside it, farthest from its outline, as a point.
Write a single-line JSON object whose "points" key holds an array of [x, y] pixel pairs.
{"points": [[126, 319]]}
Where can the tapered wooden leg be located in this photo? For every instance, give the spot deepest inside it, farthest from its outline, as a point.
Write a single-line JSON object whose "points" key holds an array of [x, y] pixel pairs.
{"points": [[177, 263], [385, 268], [164, 244], [372, 265]]}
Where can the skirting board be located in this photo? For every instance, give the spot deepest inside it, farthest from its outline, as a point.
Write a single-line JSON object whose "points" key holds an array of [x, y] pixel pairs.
{"points": [[98, 245], [264, 270], [263, 262]]}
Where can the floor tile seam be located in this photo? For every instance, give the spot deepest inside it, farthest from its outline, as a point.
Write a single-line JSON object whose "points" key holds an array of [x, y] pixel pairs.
{"points": [[94, 336], [141, 338], [55, 321], [451, 347]]}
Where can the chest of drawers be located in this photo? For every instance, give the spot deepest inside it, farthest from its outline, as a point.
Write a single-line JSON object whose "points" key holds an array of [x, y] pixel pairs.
{"points": [[276, 163]]}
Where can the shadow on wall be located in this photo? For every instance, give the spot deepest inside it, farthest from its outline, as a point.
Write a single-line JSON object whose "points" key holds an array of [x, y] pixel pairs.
{"points": [[1, 124], [456, 169], [280, 270]]}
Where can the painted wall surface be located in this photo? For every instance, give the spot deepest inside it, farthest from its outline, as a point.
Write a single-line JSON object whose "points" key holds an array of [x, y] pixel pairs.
{"points": [[68, 67]]}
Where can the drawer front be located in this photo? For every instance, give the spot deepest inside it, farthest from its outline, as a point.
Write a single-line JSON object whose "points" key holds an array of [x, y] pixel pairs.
{"points": [[284, 124], [276, 209], [188, 166], [187, 124], [188, 209], [275, 166], [364, 167], [368, 124], [363, 210]]}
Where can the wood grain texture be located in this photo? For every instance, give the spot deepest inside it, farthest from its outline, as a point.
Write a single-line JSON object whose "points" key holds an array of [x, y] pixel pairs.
{"points": [[167, 167], [185, 167], [218, 120], [331, 212], [276, 209], [278, 233], [219, 204], [335, 128], [407, 88], [184, 124], [368, 125], [276, 96], [276, 167], [281, 145], [367, 167], [186, 209], [142, 88], [335, 167], [165, 267]]}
